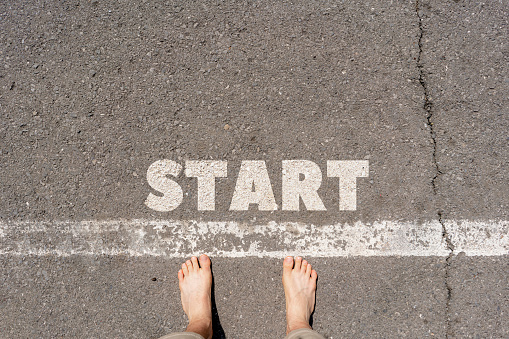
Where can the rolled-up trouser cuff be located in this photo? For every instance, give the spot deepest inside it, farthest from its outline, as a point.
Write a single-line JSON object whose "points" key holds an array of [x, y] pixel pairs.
{"points": [[304, 333], [183, 335]]}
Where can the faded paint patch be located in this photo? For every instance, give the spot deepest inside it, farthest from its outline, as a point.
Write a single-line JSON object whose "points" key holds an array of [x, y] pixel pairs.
{"points": [[232, 239], [479, 238]]}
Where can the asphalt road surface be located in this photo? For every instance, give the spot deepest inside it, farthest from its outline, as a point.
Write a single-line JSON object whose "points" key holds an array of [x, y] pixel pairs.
{"points": [[92, 93]]}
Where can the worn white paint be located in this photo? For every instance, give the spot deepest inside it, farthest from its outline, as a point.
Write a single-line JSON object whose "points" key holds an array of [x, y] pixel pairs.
{"points": [[157, 177], [175, 239], [306, 189], [253, 187], [347, 171], [301, 180], [479, 238], [206, 172]]}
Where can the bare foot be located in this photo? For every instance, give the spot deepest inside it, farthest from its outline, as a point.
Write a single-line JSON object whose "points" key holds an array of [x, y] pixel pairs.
{"points": [[299, 282], [195, 282]]}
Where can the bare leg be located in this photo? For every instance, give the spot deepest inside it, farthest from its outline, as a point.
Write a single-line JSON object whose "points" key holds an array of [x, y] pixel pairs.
{"points": [[299, 282], [195, 282]]}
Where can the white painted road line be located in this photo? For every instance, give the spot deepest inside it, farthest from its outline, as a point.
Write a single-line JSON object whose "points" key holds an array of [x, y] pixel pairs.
{"points": [[176, 239]]}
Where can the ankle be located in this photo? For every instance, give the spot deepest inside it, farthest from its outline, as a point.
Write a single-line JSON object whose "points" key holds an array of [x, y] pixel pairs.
{"points": [[201, 326], [296, 325]]}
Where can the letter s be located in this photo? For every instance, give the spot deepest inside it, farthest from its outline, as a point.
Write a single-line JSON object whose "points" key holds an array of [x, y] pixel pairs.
{"points": [[158, 180]]}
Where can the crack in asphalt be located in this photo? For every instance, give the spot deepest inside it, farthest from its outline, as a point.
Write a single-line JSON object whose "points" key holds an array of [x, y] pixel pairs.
{"points": [[428, 104], [448, 260], [428, 107]]}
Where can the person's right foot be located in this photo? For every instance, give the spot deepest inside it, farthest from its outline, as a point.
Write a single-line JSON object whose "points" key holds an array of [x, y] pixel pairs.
{"points": [[299, 282]]}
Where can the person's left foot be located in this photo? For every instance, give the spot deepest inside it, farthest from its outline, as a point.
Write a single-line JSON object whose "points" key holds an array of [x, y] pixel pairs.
{"points": [[195, 282]]}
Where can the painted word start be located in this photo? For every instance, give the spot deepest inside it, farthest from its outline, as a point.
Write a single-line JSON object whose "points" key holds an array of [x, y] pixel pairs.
{"points": [[300, 179]]}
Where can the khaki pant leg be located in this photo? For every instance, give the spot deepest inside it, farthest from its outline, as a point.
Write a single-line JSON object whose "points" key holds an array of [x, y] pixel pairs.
{"points": [[182, 335], [304, 333]]}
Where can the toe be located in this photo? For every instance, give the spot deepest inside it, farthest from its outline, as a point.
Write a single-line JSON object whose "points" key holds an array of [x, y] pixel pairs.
{"points": [[185, 271], [204, 261], [181, 276], [313, 275], [287, 265], [189, 265], [194, 261], [308, 270], [304, 266], [298, 263]]}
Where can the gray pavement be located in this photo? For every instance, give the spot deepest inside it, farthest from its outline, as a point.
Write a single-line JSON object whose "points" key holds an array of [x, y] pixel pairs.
{"points": [[96, 297], [92, 93]]}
